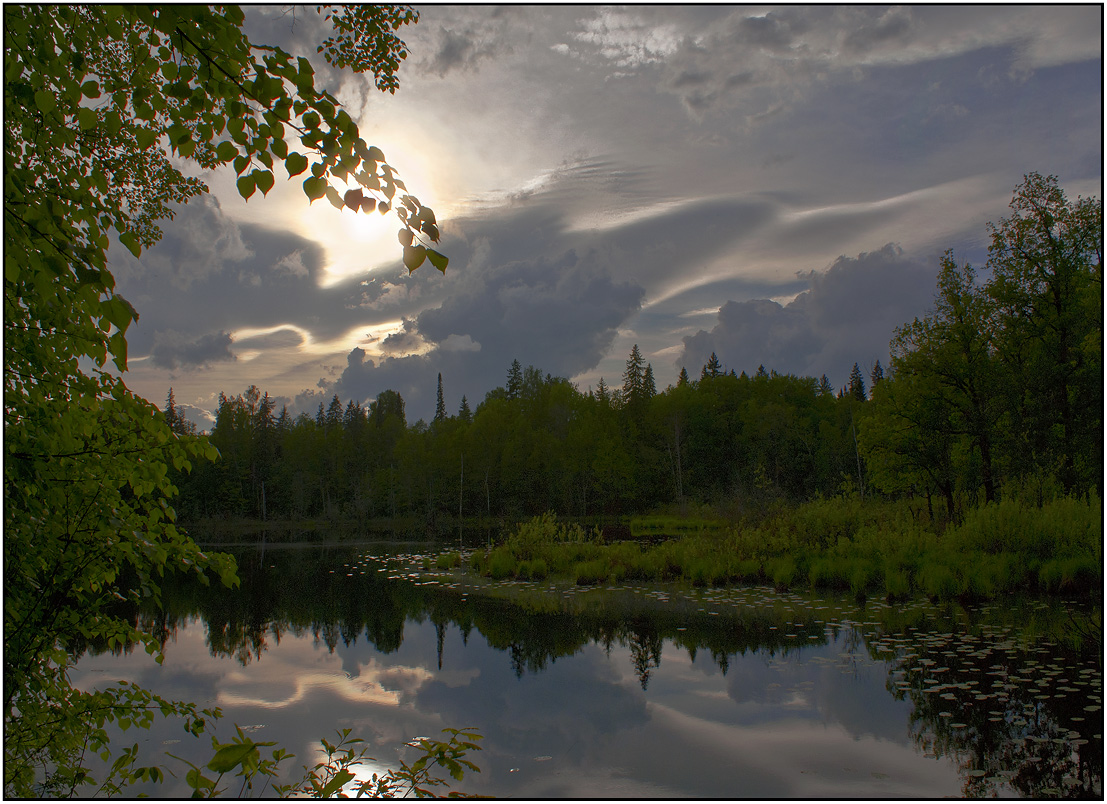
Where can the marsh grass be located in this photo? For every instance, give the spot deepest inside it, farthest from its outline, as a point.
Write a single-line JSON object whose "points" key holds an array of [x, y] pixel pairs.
{"points": [[870, 548]]}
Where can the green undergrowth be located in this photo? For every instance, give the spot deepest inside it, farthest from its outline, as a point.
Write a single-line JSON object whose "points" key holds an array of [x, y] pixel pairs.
{"points": [[844, 544]]}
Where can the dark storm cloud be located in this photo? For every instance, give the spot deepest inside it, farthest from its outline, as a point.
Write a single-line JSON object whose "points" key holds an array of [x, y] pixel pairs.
{"points": [[459, 50], [525, 285], [848, 315], [270, 279], [173, 350], [893, 27], [200, 241]]}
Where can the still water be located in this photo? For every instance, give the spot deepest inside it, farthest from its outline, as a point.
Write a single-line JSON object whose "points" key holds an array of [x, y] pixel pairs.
{"points": [[636, 691]]}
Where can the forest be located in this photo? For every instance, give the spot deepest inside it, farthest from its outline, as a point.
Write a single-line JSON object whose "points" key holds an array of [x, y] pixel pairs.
{"points": [[111, 112], [995, 394]]}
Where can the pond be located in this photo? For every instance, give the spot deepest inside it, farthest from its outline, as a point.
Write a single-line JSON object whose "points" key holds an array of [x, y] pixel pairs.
{"points": [[634, 691]]}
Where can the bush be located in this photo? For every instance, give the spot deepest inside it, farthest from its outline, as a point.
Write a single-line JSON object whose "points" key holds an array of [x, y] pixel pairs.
{"points": [[501, 563], [587, 573], [448, 561]]}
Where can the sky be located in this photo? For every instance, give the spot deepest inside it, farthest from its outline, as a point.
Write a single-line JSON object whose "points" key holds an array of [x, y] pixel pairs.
{"points": [[775, 184]]}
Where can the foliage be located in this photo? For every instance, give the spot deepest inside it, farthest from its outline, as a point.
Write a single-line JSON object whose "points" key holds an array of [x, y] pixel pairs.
{"points": [[872, 548], [1001, 386], [335, 776], [103, 105]]}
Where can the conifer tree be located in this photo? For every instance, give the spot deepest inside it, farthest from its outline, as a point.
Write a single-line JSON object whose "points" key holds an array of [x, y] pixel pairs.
{"points": [[713, 368], [634, 377], [649, 387], [440, 405], [514, 380], [857, 384], [171, 411], [463, 412], [876, 375], [682, 380], [603, 394]]}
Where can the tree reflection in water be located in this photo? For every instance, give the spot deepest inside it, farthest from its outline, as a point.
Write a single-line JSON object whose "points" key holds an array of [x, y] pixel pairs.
{"points": [[1014, 711]]}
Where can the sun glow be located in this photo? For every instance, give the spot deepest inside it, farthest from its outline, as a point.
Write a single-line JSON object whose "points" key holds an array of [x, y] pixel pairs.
{"points": [[357, 243]]}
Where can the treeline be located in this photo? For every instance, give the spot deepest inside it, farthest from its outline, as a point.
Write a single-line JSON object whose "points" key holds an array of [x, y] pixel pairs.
{"points": [[536, 444], [997, 391]]}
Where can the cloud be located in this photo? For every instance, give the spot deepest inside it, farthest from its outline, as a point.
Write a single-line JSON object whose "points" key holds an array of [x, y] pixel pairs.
{"points": [[848, 315], [759, 61], [461, 50], [459, 343], [893, 27], [173, 350]]}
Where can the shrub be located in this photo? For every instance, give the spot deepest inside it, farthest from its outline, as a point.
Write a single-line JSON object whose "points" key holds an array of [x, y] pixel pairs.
{"points": [[938, 581], [501, 563], [448, 561], [587, 573]]}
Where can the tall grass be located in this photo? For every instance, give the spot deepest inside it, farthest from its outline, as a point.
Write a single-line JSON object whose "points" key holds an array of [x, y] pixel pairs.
{"points": [[870, 548]]}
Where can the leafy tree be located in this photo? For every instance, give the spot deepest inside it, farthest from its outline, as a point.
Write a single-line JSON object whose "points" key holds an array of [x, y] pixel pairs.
{"points": [[1047, 282], [102, 105]]}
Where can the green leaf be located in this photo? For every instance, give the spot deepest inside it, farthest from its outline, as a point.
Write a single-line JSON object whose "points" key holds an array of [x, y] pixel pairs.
{"points": [[413, 257], [439, 261], [45, 101], [264, 180], [226, 151], [246, 184], [334, 198], [86, 118], [145, 137], [295, 164], [230, 756], [353, 199], [341, 778], [131, 242], [90, 89], [405, 237]]}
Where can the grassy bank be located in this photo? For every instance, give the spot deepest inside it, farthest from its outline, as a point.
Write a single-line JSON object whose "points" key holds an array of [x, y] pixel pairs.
{"points": [[868, 548]]}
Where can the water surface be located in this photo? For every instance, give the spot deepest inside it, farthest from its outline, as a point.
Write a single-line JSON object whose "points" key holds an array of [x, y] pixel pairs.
{"points": [[636, 690]]}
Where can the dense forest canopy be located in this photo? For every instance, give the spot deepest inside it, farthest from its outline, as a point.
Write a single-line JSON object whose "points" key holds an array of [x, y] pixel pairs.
{"points": [[997, 391]]}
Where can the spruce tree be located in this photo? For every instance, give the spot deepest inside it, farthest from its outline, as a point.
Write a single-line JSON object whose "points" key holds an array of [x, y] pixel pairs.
{"points": [[514, 380], [682, 380], [634, 378], [440, 405], [649, 387], [602, 392], [171, 411], [876, 374], [857, 384], [463, 412], [713, 367]]}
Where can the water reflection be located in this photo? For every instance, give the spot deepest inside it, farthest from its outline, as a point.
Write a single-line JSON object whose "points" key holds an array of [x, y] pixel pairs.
{"points": [[639, 691]]}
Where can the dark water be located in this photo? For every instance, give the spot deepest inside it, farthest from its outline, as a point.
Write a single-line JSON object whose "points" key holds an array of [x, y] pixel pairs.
{"points": [[633, 691]]}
